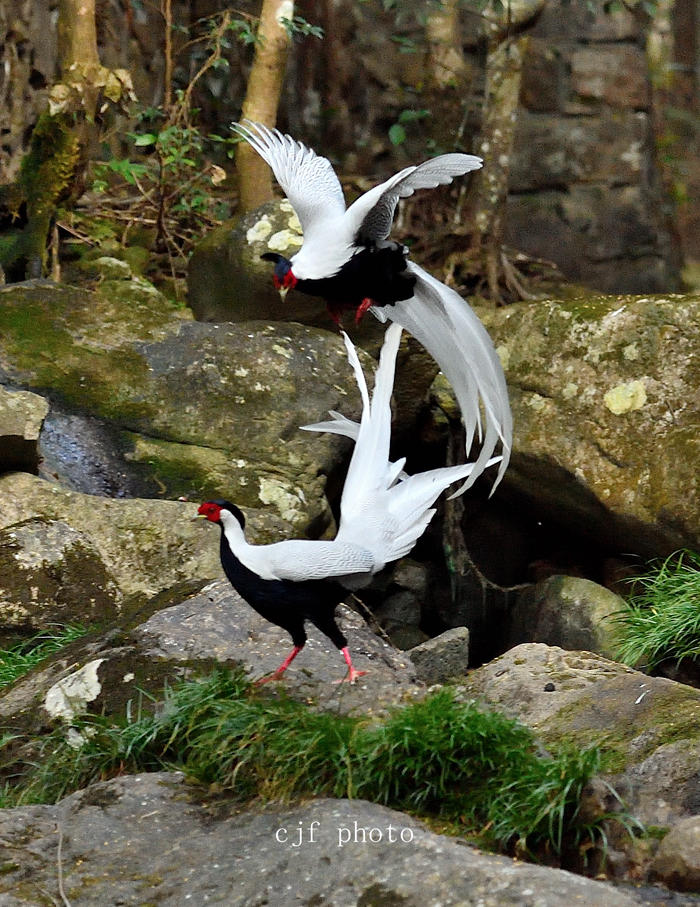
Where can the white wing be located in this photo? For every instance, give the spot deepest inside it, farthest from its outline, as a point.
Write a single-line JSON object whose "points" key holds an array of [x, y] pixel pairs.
{"points": [[450, 331], [308, 180], [303, 559], [373, 213]]}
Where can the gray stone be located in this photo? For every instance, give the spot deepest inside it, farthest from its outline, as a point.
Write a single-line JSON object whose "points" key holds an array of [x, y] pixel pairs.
{"points": [[566, 611], [152, 838], [588, 700], [110, 268], [145, 545], [183, 633], [201, 410], [227, 281], [399, 615], [665, 786], [52, 574], [21, 417], [443, 658], [411, 575], [677, 861]]}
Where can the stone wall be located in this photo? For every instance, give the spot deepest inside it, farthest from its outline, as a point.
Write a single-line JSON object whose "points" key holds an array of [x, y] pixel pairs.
{"points": [[585, 188]]}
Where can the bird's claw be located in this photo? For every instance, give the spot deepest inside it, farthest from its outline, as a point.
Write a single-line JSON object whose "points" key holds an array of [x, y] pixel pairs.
{"points": [[351, 676]]}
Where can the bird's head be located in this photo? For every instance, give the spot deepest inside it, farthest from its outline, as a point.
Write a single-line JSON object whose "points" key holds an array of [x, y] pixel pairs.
{"points": [[211, 510], [283, 277]]}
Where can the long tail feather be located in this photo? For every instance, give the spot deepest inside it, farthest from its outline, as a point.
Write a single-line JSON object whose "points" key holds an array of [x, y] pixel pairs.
{"points": [[453, 335], [381, 506]]}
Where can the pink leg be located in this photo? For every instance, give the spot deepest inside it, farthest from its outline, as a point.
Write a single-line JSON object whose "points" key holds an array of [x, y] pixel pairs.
{"points": [[282, 668], [353, 674], [362, 308]]}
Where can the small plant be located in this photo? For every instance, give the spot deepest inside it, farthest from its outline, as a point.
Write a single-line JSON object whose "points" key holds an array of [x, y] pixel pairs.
{"points": [[20, 658], [663, 620], [474, 771]]}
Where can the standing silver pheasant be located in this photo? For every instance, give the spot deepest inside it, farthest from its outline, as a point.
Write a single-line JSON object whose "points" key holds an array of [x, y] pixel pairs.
{"points": [[347, 259], [383, 513]]}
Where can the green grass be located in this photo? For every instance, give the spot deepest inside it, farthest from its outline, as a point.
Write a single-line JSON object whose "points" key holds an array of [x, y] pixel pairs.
{"points": [[663, 620], [475, 771], [20, 658]]}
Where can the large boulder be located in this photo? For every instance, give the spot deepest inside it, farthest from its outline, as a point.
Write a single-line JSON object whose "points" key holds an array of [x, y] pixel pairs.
{"points": [[52, 574], [605, 394], [184, 632], [153, 838], [566, 611], [202, 410], [228, 281], [145, 545]]}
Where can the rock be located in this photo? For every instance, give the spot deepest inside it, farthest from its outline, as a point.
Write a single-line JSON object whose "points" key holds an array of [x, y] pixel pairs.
{"points": [[586, 699], [600, 442], [227, 281], [677, 861], [412, 576], [200, 410], [566, 611], [443, 658], [145, 545], [666, 785], [400, 608], [109, 268], [217, 623], [185, 632], [52, 574], [21, 417], [154, 838]]}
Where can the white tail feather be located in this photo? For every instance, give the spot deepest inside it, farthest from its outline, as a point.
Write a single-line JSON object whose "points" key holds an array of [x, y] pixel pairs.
{"points": [[382, 507], [453, 335]]}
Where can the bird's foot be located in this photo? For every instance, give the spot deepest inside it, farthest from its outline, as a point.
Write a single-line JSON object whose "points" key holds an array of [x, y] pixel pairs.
{"points": [[351, 676], [276, 675], [366, 304], [353, 673]]}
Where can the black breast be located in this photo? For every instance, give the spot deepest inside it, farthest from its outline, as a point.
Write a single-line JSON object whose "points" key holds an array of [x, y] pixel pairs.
{"points": [[376, 272], [285, 603]]}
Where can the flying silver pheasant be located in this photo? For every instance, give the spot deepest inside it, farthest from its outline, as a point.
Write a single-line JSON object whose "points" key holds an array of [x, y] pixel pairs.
{"points": [[383, 512], [347, 259]]}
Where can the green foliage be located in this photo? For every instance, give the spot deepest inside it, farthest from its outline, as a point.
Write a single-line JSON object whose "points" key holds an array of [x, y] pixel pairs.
{"points": [[20, 658], [663, 620], [397, 132], [299, 27], [440, 757]]}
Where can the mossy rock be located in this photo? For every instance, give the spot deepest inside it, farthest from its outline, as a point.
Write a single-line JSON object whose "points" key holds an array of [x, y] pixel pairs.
{"points": [[201, 409], [605, 392]]}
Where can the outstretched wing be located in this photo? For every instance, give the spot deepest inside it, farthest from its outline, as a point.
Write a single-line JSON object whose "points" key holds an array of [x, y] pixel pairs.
{"points": [[308, 180], [373, 213], [450, 331]]}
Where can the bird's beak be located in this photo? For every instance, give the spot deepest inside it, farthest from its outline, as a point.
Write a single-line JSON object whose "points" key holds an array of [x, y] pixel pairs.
{"points": [[283, 292], [197, 517]]}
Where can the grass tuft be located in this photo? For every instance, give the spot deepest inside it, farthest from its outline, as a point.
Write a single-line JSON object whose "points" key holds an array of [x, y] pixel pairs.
{"points": [[21, 657], [440, 758], [663, 620]]}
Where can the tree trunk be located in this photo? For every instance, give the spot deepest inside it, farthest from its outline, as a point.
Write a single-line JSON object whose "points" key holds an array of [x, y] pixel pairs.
{"points": [[262, 99], [77, 36], [504, 68], [443, 36]]}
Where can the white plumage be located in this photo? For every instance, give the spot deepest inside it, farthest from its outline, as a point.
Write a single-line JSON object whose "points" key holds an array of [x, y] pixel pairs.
{"points": [[435, 315], [383, 511]]}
